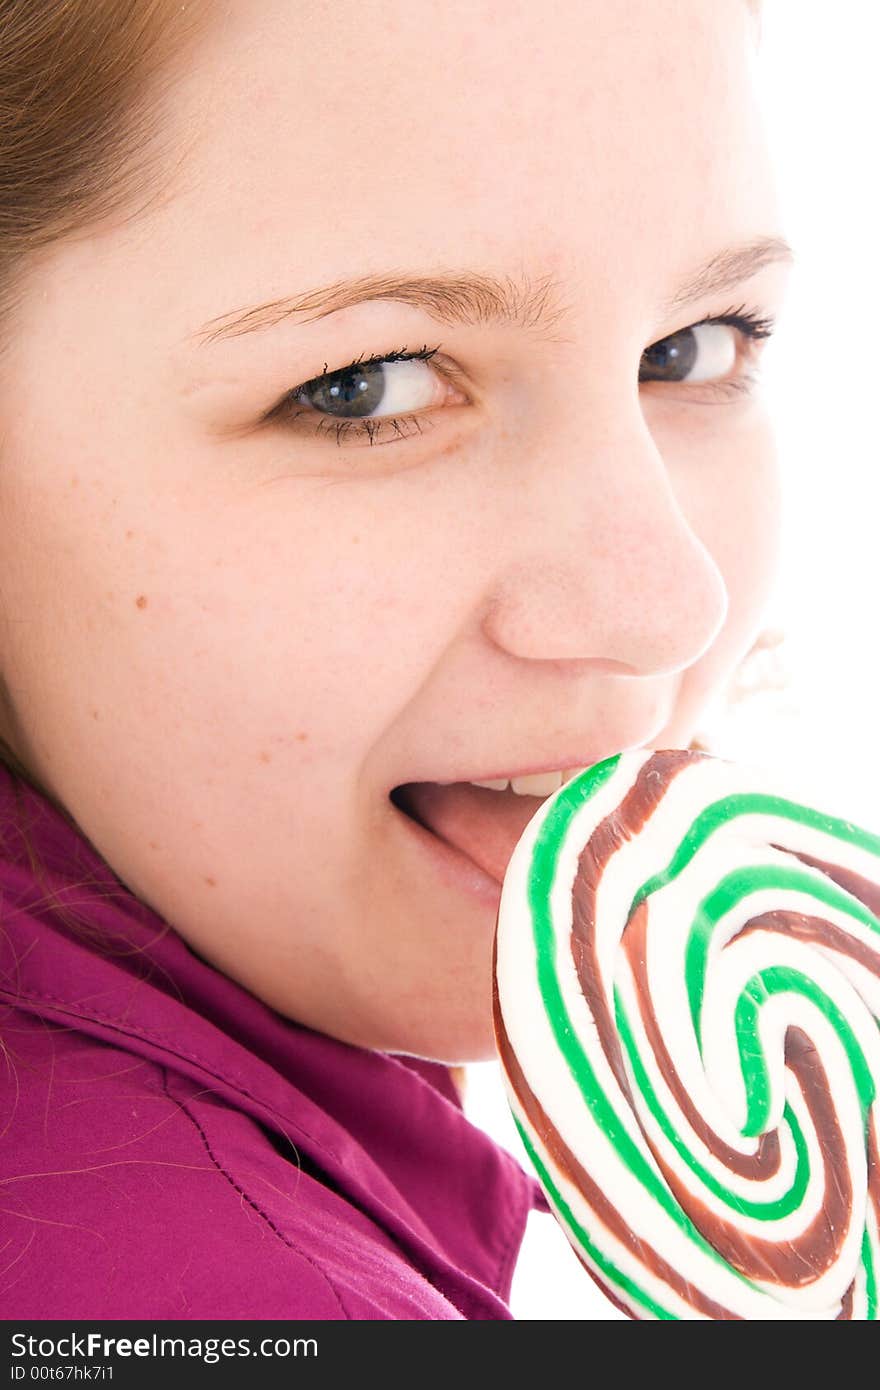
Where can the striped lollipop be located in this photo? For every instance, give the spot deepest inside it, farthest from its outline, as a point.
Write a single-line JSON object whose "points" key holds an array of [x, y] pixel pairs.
{"points": [[687, 997]]}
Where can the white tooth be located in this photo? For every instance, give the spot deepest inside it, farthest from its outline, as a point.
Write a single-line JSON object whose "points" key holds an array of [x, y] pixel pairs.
{"points": [[571, 772], [498, 785], [537, 784]]}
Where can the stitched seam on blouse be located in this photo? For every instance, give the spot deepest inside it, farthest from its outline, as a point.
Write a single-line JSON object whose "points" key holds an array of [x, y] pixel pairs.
{"points": [[245, 1196], [96, 1016]]}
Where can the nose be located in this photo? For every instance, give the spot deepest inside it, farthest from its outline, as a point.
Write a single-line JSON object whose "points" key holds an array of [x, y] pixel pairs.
{"points": [[599, 563]]}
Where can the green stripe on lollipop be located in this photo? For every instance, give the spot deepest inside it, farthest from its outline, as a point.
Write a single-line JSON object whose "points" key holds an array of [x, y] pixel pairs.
{"points": [[764, 985], [869, 1265], [612, 1273], [739, 884], [728, 808], [773, 1210], [542, 872]]}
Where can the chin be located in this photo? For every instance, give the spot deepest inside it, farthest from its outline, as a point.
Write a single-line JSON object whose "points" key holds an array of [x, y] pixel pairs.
{"points": [[452, 1056], [453, 1043]]}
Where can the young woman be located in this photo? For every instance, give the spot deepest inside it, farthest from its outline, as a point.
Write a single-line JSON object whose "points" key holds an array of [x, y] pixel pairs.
{"points": [[380, 419]]}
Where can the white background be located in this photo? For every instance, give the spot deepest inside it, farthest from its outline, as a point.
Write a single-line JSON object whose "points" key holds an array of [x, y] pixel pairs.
{"points": [[819, 83]]}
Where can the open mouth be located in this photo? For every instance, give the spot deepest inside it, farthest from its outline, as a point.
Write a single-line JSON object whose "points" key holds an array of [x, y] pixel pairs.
{"points": [[482, 824]]}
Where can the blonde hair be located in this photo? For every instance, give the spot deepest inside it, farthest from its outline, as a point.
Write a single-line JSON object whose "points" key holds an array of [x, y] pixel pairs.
{"points": [[79, 123]]}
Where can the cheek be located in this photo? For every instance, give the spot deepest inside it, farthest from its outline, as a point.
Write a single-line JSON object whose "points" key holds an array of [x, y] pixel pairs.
{"points": [[728, 487], [324, 597], [290, 630], [746, 530]]}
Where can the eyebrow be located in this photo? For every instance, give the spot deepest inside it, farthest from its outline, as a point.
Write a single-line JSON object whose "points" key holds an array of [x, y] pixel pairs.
{"points": [[468, 298]]}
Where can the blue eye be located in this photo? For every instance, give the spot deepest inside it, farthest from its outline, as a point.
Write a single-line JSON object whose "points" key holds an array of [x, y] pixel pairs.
{"points": [[358, 390], [706, 353], [351, 398]]}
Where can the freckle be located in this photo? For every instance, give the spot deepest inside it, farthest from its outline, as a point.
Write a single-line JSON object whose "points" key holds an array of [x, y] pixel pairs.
{"points": [[74, 482], [141, 600], [94, 713], [265, 758], [301, 736], [152, 844], [128, 535], [211, 882], [355, 540]]}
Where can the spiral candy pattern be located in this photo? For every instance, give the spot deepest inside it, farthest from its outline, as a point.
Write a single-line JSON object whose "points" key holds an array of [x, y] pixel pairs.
{"points": [[687, 998]]}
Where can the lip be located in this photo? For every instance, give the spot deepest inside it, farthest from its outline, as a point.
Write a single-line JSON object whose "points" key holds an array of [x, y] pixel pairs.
{"points": [[452, 865], [568, 770], [567, 761], [569, 765], [455, 868]]}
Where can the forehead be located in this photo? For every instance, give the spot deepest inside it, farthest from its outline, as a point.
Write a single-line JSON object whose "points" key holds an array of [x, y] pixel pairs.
{"points": [[609, 144]]}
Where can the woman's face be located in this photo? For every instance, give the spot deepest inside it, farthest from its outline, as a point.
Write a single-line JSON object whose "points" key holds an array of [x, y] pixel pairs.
{"points": [[231, 630]]}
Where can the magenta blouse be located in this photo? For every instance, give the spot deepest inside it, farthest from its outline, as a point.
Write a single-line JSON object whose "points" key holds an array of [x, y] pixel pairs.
{"points": [[172, 1148]]}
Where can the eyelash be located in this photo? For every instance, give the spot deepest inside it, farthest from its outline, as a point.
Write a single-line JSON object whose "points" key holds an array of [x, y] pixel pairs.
{"points": [[754, 328], [365, 426]]}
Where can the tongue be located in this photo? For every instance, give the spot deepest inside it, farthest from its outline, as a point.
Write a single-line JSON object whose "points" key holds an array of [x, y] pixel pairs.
{"points": [[483, 824]]}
